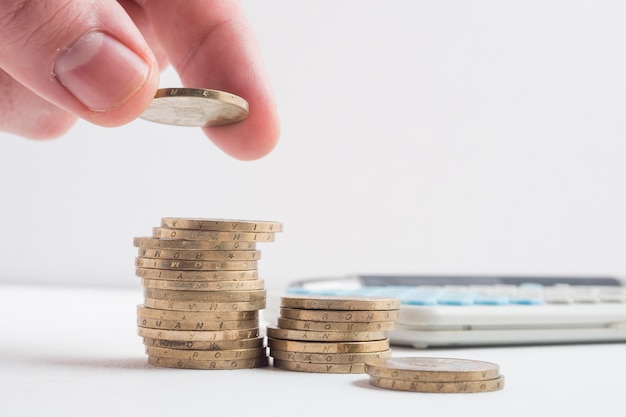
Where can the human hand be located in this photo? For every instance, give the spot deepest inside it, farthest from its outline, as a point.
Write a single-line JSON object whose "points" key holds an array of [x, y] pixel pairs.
{"points": [[100, 60]]}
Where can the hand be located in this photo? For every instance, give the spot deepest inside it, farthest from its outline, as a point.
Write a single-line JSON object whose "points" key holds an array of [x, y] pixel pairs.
{"points": [[100, 60]]}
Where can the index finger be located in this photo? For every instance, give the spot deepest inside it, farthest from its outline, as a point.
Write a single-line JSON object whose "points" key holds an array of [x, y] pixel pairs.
{"points": [[211, 45]]}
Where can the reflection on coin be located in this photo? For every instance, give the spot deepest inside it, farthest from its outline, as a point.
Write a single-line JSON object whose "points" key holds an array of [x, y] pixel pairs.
{"points": [[251, 343], [442, 387], [325, 368], [216, 364], [195, 107], [221, 225], [204, 285], [312, 302], [158, 243], [433, 369]]}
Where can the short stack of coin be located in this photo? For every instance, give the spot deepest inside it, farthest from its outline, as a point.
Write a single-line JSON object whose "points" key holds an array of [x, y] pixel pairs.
{"points": [[202, 293], [444, 375], [331, 334]]}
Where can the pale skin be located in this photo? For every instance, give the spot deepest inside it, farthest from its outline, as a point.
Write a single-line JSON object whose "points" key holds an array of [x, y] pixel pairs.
{"points": [[100, 60]]}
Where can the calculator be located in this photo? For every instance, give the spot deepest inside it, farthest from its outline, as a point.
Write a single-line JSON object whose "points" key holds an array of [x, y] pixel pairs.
{"points": [[449, 311]]}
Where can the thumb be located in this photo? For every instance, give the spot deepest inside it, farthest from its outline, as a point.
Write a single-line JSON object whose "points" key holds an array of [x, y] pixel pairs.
{"points": [[85, 56]]}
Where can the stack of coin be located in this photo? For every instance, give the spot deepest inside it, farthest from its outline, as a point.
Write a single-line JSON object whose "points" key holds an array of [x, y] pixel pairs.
{"points": [[202, 293], [445, 375], [331, 334]]}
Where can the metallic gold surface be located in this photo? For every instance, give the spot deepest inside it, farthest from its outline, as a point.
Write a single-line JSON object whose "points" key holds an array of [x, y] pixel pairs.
{"points": [[215, 364], [205, 296], [221, 225], [440, 387], [174, 275], [201, 255], [204, 285], [198, 306], [196, 325], [327, 326], [325, 368], [313, 336], [328, 347], [174, 244], [200, 336], [337, 358], [339, 316], [200, 316], [195, 265], [433, 369], [311, 302], [195, 107], [207, 355], [251, 343], [206, 235]]}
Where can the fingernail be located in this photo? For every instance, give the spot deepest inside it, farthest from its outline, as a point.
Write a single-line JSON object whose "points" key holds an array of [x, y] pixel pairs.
{"points": [[100, 71]]}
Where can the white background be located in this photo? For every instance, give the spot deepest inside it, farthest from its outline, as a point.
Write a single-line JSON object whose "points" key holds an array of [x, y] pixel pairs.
{"points": [[418, 137]]}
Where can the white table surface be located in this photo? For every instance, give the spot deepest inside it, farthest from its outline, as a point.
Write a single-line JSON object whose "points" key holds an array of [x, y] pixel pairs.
{"points": [[74, 351]]}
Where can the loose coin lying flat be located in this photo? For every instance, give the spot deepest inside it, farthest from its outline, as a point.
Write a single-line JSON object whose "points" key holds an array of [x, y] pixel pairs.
{"points": [[195, 107], [443, 387], [433, 369], [221, 225]]}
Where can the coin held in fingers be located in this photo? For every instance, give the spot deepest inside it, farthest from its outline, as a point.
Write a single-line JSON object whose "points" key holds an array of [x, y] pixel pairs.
{"points": [[195, 107]]}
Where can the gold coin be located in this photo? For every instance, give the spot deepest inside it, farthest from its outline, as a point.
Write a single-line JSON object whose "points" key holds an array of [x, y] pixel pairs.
{"points": [[167, 233], [196, 325], [202, 336], [433, 369], [205, 296], [173, 275], [329, 357], [198, 306], [313, 336], [251, 343], [195, 265], [197, 316], [204, 285], [195, 364], [328, 347], [207, 355], [195, 107], [201, 255], [221, 225], [173, 244], [442, 387], [312, 302], [325, 368], [339, 315], [328, 326]]}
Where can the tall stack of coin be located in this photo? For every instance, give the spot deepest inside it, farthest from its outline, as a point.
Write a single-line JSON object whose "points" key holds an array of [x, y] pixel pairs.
{"points": [[331, 334], [202, 293], [445, 375]]}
